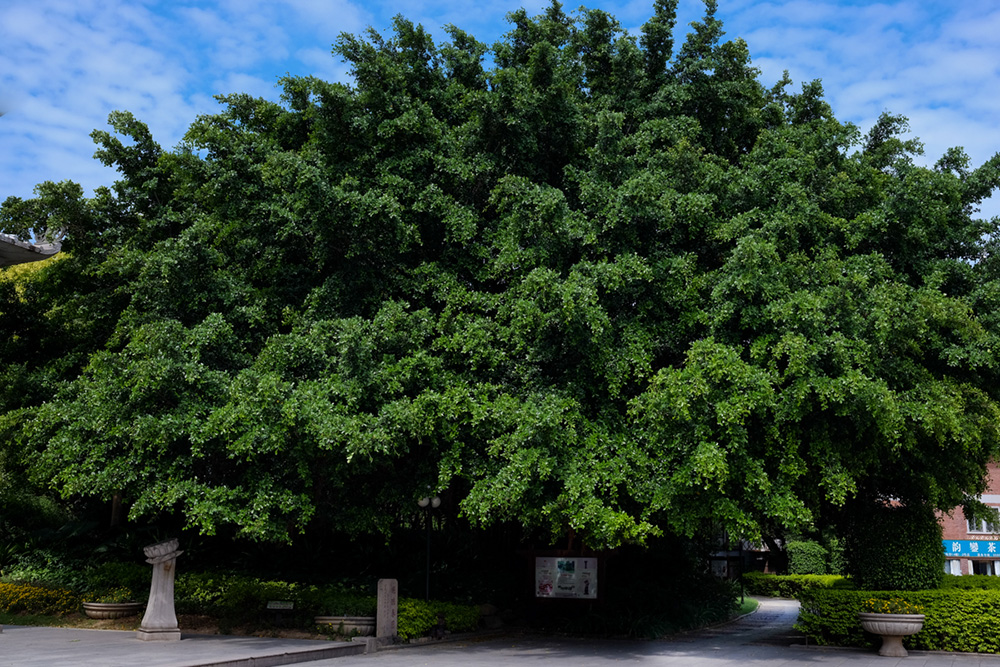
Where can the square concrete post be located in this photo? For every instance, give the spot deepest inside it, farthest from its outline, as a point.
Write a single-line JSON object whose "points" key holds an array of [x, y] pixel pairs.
{"points": [[386, 619]]}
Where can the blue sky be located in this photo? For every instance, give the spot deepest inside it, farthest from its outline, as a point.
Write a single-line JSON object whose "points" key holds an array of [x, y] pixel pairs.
{"points": [[65, 64]]}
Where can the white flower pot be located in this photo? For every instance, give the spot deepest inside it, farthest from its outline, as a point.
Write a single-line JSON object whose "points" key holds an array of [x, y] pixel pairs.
{"points": [[892, 628]]}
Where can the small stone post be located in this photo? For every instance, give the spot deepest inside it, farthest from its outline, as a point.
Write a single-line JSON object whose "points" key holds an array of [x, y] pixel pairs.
{"points": [[160, 620], [386, 619]]}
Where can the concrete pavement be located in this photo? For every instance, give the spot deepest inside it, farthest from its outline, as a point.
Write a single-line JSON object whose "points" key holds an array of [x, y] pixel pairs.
{"points": [[23, 646], [759, 639]]}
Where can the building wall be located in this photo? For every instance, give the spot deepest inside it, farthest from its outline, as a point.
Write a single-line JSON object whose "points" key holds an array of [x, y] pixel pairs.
{"points": [[977, 551]]}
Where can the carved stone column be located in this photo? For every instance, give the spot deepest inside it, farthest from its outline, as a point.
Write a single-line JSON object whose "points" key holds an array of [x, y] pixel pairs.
{"points": [[160, 620]]}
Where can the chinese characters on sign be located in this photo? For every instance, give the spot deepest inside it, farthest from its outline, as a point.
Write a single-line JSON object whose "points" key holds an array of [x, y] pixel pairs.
{"points": [[970, 548], [566, 577]]}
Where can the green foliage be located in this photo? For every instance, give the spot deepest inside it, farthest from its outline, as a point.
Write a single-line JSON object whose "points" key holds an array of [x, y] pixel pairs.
{"points": [[418, 617], [790, 585], [130, 581], [893, 605], [610, 285], [837, 562], [340, 603], [239, 598], [895, 548], [971, 581], [955, 619], [116, 594], [117, 582], [25, 598], [807, 557]]}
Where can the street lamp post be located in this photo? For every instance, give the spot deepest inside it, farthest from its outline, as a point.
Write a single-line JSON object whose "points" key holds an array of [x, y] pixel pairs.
{"points": [[427, 504]]}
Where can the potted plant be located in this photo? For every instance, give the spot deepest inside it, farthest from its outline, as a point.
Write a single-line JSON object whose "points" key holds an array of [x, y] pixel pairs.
{"points": [[892, 619], [116, 602]]}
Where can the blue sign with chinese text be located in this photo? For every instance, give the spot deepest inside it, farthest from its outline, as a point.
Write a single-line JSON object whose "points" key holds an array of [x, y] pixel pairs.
{"points": [[971, 549]]}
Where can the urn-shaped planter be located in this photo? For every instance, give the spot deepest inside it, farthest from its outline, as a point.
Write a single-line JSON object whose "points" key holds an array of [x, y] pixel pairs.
{"points": [[349, 625], [112, 609], [892, 628]]}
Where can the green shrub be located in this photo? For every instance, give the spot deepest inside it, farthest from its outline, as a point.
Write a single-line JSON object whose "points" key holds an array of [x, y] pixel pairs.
{"points": [[116, 582], [980, 581], [52, 575], [895, 548], [29, 599], [418, 617], [806, 557], [237, 598], [790, 585], [837, 562], [956, 619], [336, 602]]}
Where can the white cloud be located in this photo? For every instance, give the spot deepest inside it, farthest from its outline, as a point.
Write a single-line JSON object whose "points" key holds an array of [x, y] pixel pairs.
{"points": [[65, 64]]}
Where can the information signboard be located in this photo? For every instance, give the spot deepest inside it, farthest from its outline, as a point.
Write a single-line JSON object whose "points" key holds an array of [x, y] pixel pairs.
{"points": [[558, 577], [971, 548]]}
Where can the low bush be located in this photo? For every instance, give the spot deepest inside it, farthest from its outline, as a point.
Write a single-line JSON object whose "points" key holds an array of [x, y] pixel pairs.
{"points": [[238, 599], [47, 576], [336, 602], [980, 581], [790, 585], [418, 617], [30, 599], [957, 619], [116, 582]]}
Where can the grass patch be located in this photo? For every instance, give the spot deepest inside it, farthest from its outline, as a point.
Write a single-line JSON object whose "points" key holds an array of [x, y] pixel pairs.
{"points": [[6, 618], [748, 605]]}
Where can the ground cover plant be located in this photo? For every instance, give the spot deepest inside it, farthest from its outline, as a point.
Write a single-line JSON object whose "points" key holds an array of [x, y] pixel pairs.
{"points": [[791, 585]]}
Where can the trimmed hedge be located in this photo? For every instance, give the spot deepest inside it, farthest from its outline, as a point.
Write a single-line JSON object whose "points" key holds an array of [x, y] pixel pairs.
{"points": [[790, 585], [29, 599], [418, 617], [965, 620], [916, 561], [807, 557], [975, 581]]}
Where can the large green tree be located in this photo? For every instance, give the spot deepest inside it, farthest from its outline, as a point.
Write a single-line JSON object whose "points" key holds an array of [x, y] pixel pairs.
{"points": [[604, 285]]}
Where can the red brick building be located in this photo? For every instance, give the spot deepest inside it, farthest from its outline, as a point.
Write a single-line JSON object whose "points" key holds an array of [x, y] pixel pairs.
{"points": [[972, 546]]}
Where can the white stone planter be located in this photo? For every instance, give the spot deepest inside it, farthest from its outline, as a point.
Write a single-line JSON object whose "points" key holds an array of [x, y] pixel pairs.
{"points": [[349, 625], [892, 628], [112, 609]]}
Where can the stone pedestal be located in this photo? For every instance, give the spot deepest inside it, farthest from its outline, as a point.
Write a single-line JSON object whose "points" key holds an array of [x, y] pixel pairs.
{"points": [[387, 614], [160, 620]]}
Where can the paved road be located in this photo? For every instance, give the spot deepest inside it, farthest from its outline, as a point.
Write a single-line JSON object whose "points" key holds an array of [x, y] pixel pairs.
{"points": [[754, 641], [758, 639]]}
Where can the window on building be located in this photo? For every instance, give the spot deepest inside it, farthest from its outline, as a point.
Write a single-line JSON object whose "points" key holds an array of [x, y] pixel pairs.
{"points": [[984, 525], [988, 567]]}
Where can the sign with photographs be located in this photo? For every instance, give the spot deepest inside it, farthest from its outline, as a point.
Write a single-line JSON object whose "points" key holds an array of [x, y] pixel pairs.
{"points": [[557, 577]]}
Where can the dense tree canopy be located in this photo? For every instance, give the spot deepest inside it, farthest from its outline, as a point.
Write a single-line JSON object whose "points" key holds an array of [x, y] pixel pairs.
{"points": [[605, 285]]}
